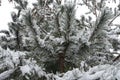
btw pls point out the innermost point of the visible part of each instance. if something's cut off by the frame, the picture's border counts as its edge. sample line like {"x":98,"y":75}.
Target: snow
{"x":101,"y":72}
{"x":5,"y":16}
{"x":112,"y":4}
{"x":116,"y":21}
{"x":92,"y":77}
{"x":111,"y":50}
{"x":12,"y":59}
{"x":82,"y":10}
{"x":30,"y":3}
{"x":39,"y":71}
{"x":32,"y":68}
{"x":6,"y":74}
{"x":70,"y":75}
{"x":2,"y":34}
{"x":25,"y":69}
{"x":104,"y":72}
{"x":118,"y":75}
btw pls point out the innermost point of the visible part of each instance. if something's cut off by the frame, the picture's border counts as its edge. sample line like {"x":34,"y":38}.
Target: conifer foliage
{"x":49,"y":38}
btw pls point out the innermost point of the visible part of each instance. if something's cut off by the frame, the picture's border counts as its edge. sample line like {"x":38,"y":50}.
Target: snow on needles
{"x":100,"y":72}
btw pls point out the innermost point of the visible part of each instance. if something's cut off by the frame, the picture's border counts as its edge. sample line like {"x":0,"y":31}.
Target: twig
{"x":113,"y":19}
{"x":116,"y":58}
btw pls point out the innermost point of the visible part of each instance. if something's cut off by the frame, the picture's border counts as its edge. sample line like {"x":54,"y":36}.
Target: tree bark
{"x":61,"y":62}
{"x":61,"y":57}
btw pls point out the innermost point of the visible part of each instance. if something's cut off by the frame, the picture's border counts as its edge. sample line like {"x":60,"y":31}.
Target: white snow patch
{"x":6,"y":74}
{"x":25,"y":69}
{"x":111,"y":50}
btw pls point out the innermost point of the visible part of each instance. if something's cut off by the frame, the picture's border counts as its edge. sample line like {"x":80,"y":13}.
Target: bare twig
{"x":116,"y":58}
{"x":95,"y":9}
{"x":113,"y":19}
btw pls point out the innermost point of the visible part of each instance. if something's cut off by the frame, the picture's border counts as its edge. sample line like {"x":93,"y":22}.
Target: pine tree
{"x":56,"y":39}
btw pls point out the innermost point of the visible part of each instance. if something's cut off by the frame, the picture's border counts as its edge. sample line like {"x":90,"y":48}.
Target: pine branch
{"x":6,"y":32}
{"x":57,"y":23}
{"x":6,"y":74}
{"x":102,"y":20}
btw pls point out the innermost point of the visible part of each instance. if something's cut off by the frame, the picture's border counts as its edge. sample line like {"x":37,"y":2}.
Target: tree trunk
{"x":61,"y":62}
{"x":61,"y":56}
